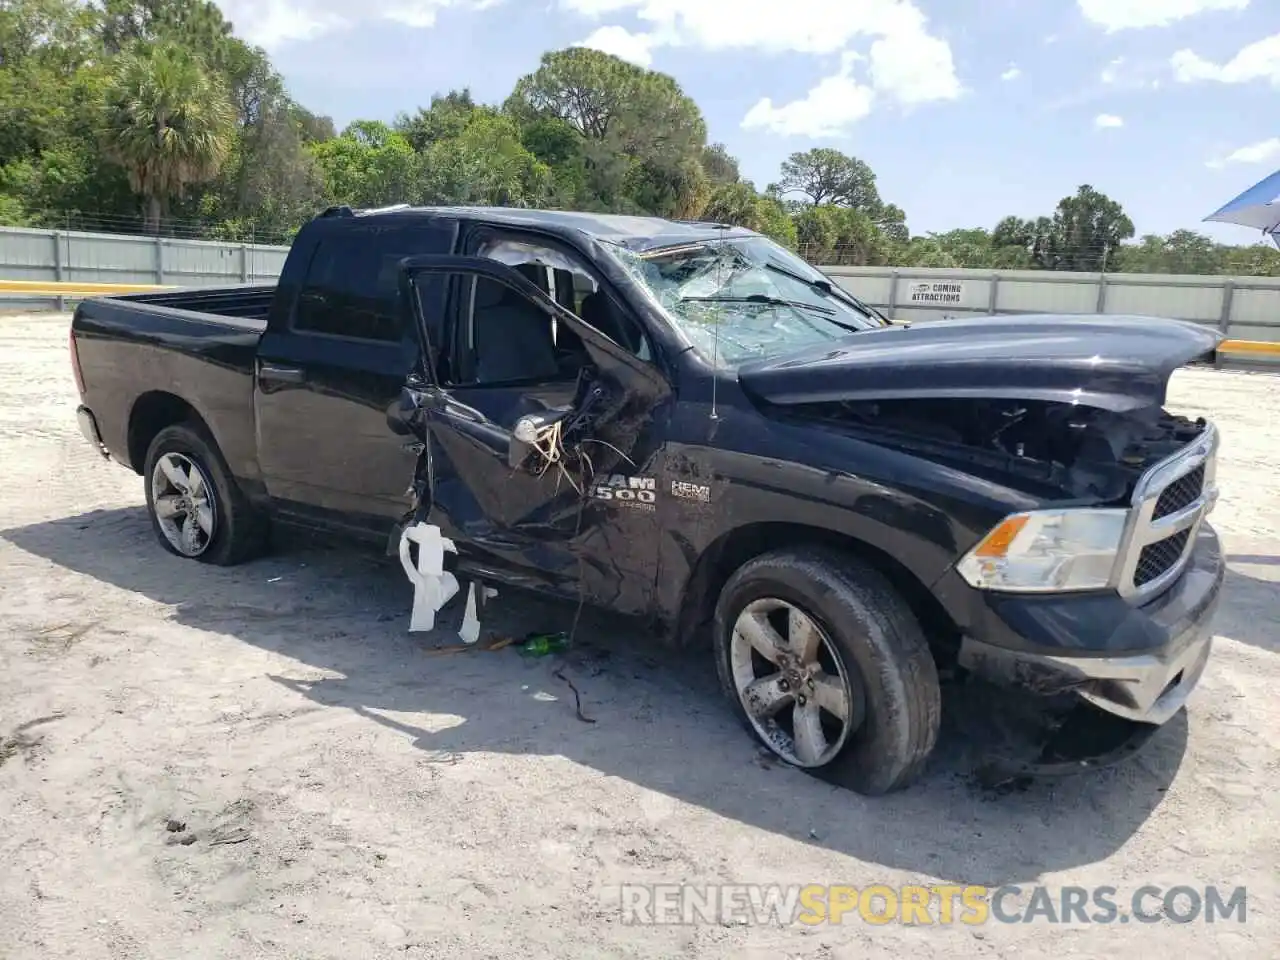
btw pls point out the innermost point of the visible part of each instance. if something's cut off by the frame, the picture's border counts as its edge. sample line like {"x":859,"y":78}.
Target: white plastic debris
{"x":433,"y":586}
{"x":470,"y":629}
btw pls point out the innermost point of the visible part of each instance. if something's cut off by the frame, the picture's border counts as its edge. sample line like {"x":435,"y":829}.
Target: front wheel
{"x":827,"y":666}
{"x":197,"y":509}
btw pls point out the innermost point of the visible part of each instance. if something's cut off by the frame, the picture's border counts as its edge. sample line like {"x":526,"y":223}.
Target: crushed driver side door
{"x":548,"y":482}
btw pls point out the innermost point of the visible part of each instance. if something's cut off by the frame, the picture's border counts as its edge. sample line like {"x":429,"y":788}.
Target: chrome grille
{"x":1170,"y":502}
{"x":1157,"y":558}
{"x":1180,"y":494}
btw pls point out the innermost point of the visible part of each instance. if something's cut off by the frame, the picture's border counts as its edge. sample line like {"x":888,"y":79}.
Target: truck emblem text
{"x":638,"y":493}
{"x":691,"y":491}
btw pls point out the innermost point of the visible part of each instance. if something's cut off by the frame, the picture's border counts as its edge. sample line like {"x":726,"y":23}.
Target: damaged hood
{"x":1112,"y":362}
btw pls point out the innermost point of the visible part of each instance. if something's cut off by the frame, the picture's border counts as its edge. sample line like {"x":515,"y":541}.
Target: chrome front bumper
{"x":1150,"y":686}
{"x":1147,"y":688}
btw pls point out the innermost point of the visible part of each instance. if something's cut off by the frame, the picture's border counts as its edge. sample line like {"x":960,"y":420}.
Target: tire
{"x":237,"y":531}
{"x":874,"y":657}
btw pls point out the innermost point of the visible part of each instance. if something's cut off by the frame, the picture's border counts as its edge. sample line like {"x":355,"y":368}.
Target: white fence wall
{"x":1243,"y":308}
{"x":68,"y":256}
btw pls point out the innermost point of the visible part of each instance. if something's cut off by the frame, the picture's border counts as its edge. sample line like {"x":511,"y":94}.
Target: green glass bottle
{"x":542,"y":644}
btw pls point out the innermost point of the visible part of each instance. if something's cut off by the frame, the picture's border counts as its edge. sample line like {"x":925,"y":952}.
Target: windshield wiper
{"x":766,"y":300}
{"x":820,"y":285}
{"x":826,"y":313}
{"x":824,"y":286}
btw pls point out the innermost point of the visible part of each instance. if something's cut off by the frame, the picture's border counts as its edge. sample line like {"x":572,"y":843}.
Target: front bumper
{"x":1149,"y":685}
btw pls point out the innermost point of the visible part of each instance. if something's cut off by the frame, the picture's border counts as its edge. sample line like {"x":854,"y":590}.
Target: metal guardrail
{"x":72,"y":291}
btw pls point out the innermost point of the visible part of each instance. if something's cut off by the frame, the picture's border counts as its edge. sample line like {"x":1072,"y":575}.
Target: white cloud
{"x":802,"y":26}
{"x":1263,"y":152}
{"x":828,"y":110}
{"x":1257,"y":61}
{"x":906,"y":63}
{"x":1144,"y":74}
{"x":273,"y":23}
{"x":1105,"y":121}
{"x":1013,"y":73}
{"x":621,"y":42}
{"x":912,"y":67}
{"x":597,"y":8}
{"x":1116,"y":15}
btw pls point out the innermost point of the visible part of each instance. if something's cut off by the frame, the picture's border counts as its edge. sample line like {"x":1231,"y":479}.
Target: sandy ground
{"x":348,"y":795}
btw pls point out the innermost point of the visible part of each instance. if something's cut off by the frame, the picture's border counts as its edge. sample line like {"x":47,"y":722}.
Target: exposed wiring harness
{"x":549,"y":443}
{"x":556,"y":446}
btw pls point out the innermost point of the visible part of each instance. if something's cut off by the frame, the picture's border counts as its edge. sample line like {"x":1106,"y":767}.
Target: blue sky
{"x":967,"y":111}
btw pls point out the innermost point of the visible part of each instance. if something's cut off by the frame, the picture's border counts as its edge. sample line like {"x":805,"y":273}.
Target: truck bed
{"x":244,"y":302}
{"x":142,"y":354}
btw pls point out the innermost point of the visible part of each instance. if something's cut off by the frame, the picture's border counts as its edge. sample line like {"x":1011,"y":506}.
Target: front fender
{"x":807,"y":484}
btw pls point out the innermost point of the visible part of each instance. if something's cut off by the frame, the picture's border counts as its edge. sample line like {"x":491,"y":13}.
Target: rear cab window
{"x":351,"y":288}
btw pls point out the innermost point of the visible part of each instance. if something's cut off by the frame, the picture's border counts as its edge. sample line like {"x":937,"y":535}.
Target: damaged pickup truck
{"x":684,"y":422}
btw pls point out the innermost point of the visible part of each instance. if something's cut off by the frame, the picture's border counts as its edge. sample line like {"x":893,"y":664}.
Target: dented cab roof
{"x":633,"y":232}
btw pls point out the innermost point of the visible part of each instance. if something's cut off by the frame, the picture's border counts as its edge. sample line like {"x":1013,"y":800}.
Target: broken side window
{"x":568,"y":281}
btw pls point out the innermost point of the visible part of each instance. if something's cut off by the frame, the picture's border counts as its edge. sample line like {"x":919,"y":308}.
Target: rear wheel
{"x":197,"y":510}
{"x":827,"y":666}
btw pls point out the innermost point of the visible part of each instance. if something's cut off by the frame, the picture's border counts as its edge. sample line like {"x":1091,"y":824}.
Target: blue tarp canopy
{"x":1257,"y":207}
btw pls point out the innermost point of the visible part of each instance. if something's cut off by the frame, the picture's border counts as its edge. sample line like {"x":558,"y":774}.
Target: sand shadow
{"x":657,"y":714}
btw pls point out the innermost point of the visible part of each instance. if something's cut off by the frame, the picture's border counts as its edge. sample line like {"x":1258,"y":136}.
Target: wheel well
{"x":719,"y":561}
{"x":151,"y":413}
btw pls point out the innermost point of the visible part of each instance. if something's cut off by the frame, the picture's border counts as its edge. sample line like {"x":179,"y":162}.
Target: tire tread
{"x":903,"y":659}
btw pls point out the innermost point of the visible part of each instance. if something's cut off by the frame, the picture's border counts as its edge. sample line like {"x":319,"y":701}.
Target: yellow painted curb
{"x":49,"y":288}
{"x":1249,"y":346}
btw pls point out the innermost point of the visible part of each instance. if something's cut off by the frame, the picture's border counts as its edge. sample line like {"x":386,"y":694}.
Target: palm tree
{"x":169,"y":123}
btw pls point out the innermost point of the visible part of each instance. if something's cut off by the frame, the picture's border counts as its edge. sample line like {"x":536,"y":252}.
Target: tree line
{"x":140,"y":115}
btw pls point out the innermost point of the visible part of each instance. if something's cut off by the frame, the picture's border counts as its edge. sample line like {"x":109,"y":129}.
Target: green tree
{"x":558,"y":145}
{"x":925,"y":251}
{"x":644,"y":137}
{"x":57,"y":34}
{"x":1183,"y":251}
{"x":269,"y":183}
{"x":1036,"y":239}
{"x":774,"y":221}
{"x":446,"y":117}
{"x":840,"y":236}
{"x":43,"y":44}
{"x":484,"y":163}
{"x":740,"y":205}
{"x":720,"y":166}
{"x":824,"y":175}
{"x":892,"y":222}
{"x":368,"y":165}
{"x":168,"y":124}
{"x":1255,"y":260}
{"x":197,"y":25}
{"x":1087,"y":229}
{"x":735,"y":203}
{"x":312,"y":128}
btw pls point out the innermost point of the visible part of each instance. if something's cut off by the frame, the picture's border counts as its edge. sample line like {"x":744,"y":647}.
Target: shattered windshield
{"x":745,"y":298}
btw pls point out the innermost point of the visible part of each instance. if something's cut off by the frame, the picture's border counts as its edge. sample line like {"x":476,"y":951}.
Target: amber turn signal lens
{"x":996,"y":543}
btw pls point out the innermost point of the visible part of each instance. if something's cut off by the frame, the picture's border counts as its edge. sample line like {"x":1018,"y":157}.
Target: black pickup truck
{"x":687,"y":423}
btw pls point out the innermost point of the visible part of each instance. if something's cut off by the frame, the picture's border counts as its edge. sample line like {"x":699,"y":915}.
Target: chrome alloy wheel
{"x":792,"y":684}
{"x":182,"y":498}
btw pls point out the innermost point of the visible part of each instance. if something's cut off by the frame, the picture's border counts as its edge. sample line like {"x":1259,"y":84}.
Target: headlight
{"x":1047,"y":550}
